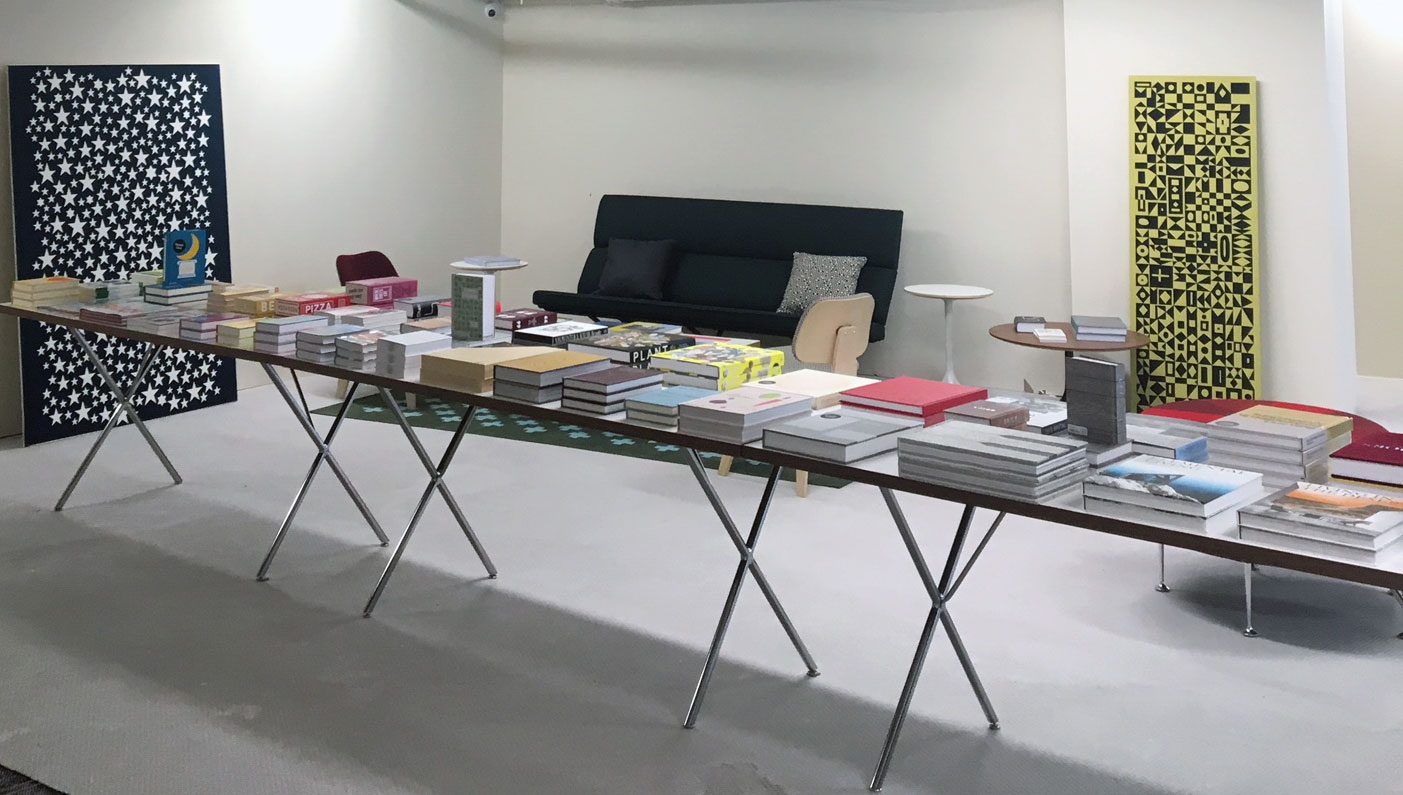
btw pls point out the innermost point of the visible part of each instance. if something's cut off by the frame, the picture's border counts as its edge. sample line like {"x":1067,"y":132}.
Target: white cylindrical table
{"x":494,"y":268}
{"x":949,"y":293}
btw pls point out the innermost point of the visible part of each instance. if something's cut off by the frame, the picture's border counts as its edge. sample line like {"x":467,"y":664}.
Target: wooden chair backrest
{"x":835,"y":332}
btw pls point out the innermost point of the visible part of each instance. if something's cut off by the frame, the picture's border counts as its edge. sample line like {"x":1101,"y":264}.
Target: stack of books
{"x":386,"y":320}
{"x":740,"y":415}
{"x":398,"y":355}
{"x":309,"y":303}
{"x":471,"y":369}
{"x":492,"y":261}
{"x":1167,"y":438}
{"x":1027,"y":324}
{"x":1046,"y":415}
{"x":205,"y":327}
{"x":177,"y":296}
{"x":1171,"y":493}
{"x":841,"y":434}
{"x":162,"y":321}
{"x":319,"y":344}
{"x":718,"y":366}
{"x":1022,"y":465}
{"x":1353,"y":525}
{"x":222,"y":295}
{"x":660,"y":408}
{"x":1339,"y":428}
{"x":1285,"y":453}
{"x":666,"y":328}
{"x":383,"y":292}
{"x":342,"y":314}
{"x":912,"y":397}
{"x":631,"y":347}
{"x":1095,"y":328}
{"x":540,"y":379}
{"x":1096,"y":407}
{"x":115,"y":313}
{"x":146,"y":279}
{"x":358,"y":351}
{"x":418,"y":306}
{"x":254,"y":304}
{"x":236,"y":333}
{"x":556,"y":334}
{"x":438,"y":325}
{"x":604,"y":391}
{"x":279,"y":334}
{"x":112,"y":290}
{"x":518,"y":319}
{"x":990,"y":412}
{"x":34,"y":293}
{"x":1378,"y":459}
{"x":826,"y":389}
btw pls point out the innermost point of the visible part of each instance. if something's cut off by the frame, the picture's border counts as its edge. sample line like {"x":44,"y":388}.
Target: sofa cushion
{"x":815,"y":277}
{"x":635,"y":268}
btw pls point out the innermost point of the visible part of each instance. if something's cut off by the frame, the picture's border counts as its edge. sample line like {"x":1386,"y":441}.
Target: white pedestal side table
{"x":949,"y":293}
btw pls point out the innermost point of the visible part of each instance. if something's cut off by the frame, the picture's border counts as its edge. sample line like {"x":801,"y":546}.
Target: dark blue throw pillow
{"x":636,"y":268}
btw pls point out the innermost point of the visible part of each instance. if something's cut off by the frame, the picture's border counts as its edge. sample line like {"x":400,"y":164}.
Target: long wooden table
{"x":880,"y":472}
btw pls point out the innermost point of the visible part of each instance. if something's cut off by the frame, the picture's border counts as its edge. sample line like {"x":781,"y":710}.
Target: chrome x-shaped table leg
{"x":324,"y":454}
{"x":436,"y":473}
{"x":746,"y":547}
{"x":941,"y":593}
{"x":124,"y":407}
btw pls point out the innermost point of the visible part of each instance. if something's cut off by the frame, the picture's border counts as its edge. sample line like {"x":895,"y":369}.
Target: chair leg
{"x":801,"y":483}
{"x":341,"y":386}
{"x":412,"y":401}
{"x":724,"y":468}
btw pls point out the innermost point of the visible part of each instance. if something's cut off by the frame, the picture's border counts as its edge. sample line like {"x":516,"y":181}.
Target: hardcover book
{"x":384,"y":290}
{"x":1028,"y":323}
{"x":1343,"y":516}
{"x":471,"y":369}
{"x":1269,"y":433}
{"x":915,"y":396}
{"x":183,"y":259}
{"x":549,"y":369}
{"x":989,"y":412}
{"x":721,"y":361}
{"x":666,"y":400}
{"x":987,"y":448}
{"x":649,"y":328}
{"x":419,"y":306}
{"x":560,"y":333}
{"x":1046,"y":415}
{"x":746,"y":405}
{"x":310,"y":303}
{"x":1378,"y":459}
{"x":1098,"y":324}
{"x":1180,"y":486}
{"x":1336,"y":425}
{"x":612,"y":380}
{"x":842,"y":434}
{"x":822,"y":387}
{"x":630,"y":347}
{"x":527,"y":317}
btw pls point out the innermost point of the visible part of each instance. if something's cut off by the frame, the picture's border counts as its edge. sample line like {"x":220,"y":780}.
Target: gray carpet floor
{"x":139,"y":656}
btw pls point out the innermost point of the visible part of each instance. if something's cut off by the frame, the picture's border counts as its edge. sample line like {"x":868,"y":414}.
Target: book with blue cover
{"x":184,"y":258}
{"x":1171,"y":485}
{"x":661,"y":407}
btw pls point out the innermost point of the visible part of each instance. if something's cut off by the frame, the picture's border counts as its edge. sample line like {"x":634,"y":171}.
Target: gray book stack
{"x":1284,"y":453}
{"x":319,"y":344}
{"x":1096,"y":407}
{"x":358,"y":351}
{"x":398,"y":355}
{"x":1167,"y":437}
{"x":842,"y":434}
{"x":1023,"y":465}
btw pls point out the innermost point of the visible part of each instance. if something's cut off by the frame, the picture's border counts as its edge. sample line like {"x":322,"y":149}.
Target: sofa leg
{"x":724,"y":468}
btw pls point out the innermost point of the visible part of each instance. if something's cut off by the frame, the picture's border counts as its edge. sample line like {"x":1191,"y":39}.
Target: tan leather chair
{"x":834,"y":333}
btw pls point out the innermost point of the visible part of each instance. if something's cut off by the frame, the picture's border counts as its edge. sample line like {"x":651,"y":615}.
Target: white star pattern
{"x":120,"y":158}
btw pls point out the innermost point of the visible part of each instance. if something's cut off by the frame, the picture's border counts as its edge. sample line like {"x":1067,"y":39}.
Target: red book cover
{"x":1385,"y":448}
{"x":912,"y":396}
{"x":384,"y":290}
{"x":310,"y":303}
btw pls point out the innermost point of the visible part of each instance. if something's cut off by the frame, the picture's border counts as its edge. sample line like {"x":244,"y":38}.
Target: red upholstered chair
{"x":365,"y":265}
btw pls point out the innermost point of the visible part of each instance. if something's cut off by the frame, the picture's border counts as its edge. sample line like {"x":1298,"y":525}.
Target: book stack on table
{"x":33,"y":293}
{"x":471,"y":369}
{"x":1285,"y":453}
{"x":222,"y":295}
{"x":438,"y":325}
{"x":1167,"y":438}
{"x":556,"y":334}
{"x":528,"y":317}
{"x":1022,"y":465}
{"x":112,"y":290}
{"x":660,"y":408}
{"x":604,"y":391}
{"x":383,"y":292}
{"x":1350,"y":524}
{"x":825,"y":389}
{"x":662,"y":328}
{"x":840,"y":434}
{"x":177,"y":296}
{"x":254,"y":304}
{"x":145,"y":279}
{"x":1171,"y":493}
{"x":319,"y":344}
{"x":540,"y":379}
{"x":717,"y":366}
{"x":279,"y":334}
{"x":1046,"y":415}
{"x":740,"y":415}
{"x":114,"y":313}
{"x":342,"y":314}
{"x":1096,"y":407}
{"x":912,"y":397}
{"x":398,"y":355}
{"x":419,"y":306}
{"x":994,"y":413}
{"x":310,"y":303}
{"x":162,"y":321}
{"x":236,"y":333}
{"x":1094,"y":328}
{"x":631,"y":347}
{"x":358,"y":351}
{"x":386,"y":320}
{"x":205,"y":327}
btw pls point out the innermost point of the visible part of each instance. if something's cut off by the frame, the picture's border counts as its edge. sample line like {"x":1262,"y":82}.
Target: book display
{"x":605,"y":391}
{"x":660,"y":408}
{"x":359,"y":351}
{"x":279,"y":334}
{"x":381,"y":292}
{"x":740,"y":415}
{"x":824,"y":388}
{"x":398,"y":355}
{"x":717,"y":366}
{"x":222,"y":296}
{"x":319,"y":344}
{"x":1284,"y":452}
{"x":309,"y":303}
{"x":1094,"y":328}
{"x":1343,"y":523}
{"x":1001,"y":461}
{"x":33,"y":293}
{"x":1179,"y":494}
{"x":555,"y":334}
{"x":840,"y":434}
{"x":631,"y":347}
{"x":913,"y":397}
{"x":471,"y":369}
{"x":540,"y":378}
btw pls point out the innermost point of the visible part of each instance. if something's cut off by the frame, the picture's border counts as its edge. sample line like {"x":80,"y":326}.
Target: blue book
{"x":184,"y":259}
{"x":1175,"y":486}
{"x":660,"y":407}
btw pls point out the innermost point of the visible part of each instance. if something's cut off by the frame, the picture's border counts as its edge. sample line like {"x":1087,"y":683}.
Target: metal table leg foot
{"x":1249,"y":632}
{"x":1162,"y":587}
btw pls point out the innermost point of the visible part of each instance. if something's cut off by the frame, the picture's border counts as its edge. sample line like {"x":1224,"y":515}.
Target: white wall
{"x":349,"y":125}
{"x":951,"y":110}
{"x":1307,"y":302}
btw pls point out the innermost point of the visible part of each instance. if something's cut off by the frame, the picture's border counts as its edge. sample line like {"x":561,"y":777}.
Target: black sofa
{"x":732,"y":260}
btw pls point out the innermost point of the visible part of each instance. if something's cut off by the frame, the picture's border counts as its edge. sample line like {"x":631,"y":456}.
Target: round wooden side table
{"x":949,"y":293}
{"x":1008,"y":333}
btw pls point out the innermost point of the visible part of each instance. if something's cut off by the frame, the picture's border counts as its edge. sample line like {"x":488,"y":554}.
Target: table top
{"x":489,"y":268}
{"x":1005,"y":332}
{"x":881,"y":471}
{"x":960,"y":291}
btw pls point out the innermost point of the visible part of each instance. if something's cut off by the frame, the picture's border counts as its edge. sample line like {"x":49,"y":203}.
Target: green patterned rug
{"x":444,"y":416}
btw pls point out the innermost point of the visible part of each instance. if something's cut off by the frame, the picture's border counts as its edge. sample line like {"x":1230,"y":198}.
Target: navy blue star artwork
{"x":106,"y":160}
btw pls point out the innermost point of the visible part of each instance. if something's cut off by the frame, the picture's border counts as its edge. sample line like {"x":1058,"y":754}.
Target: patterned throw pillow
{"x":815,"y":277}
